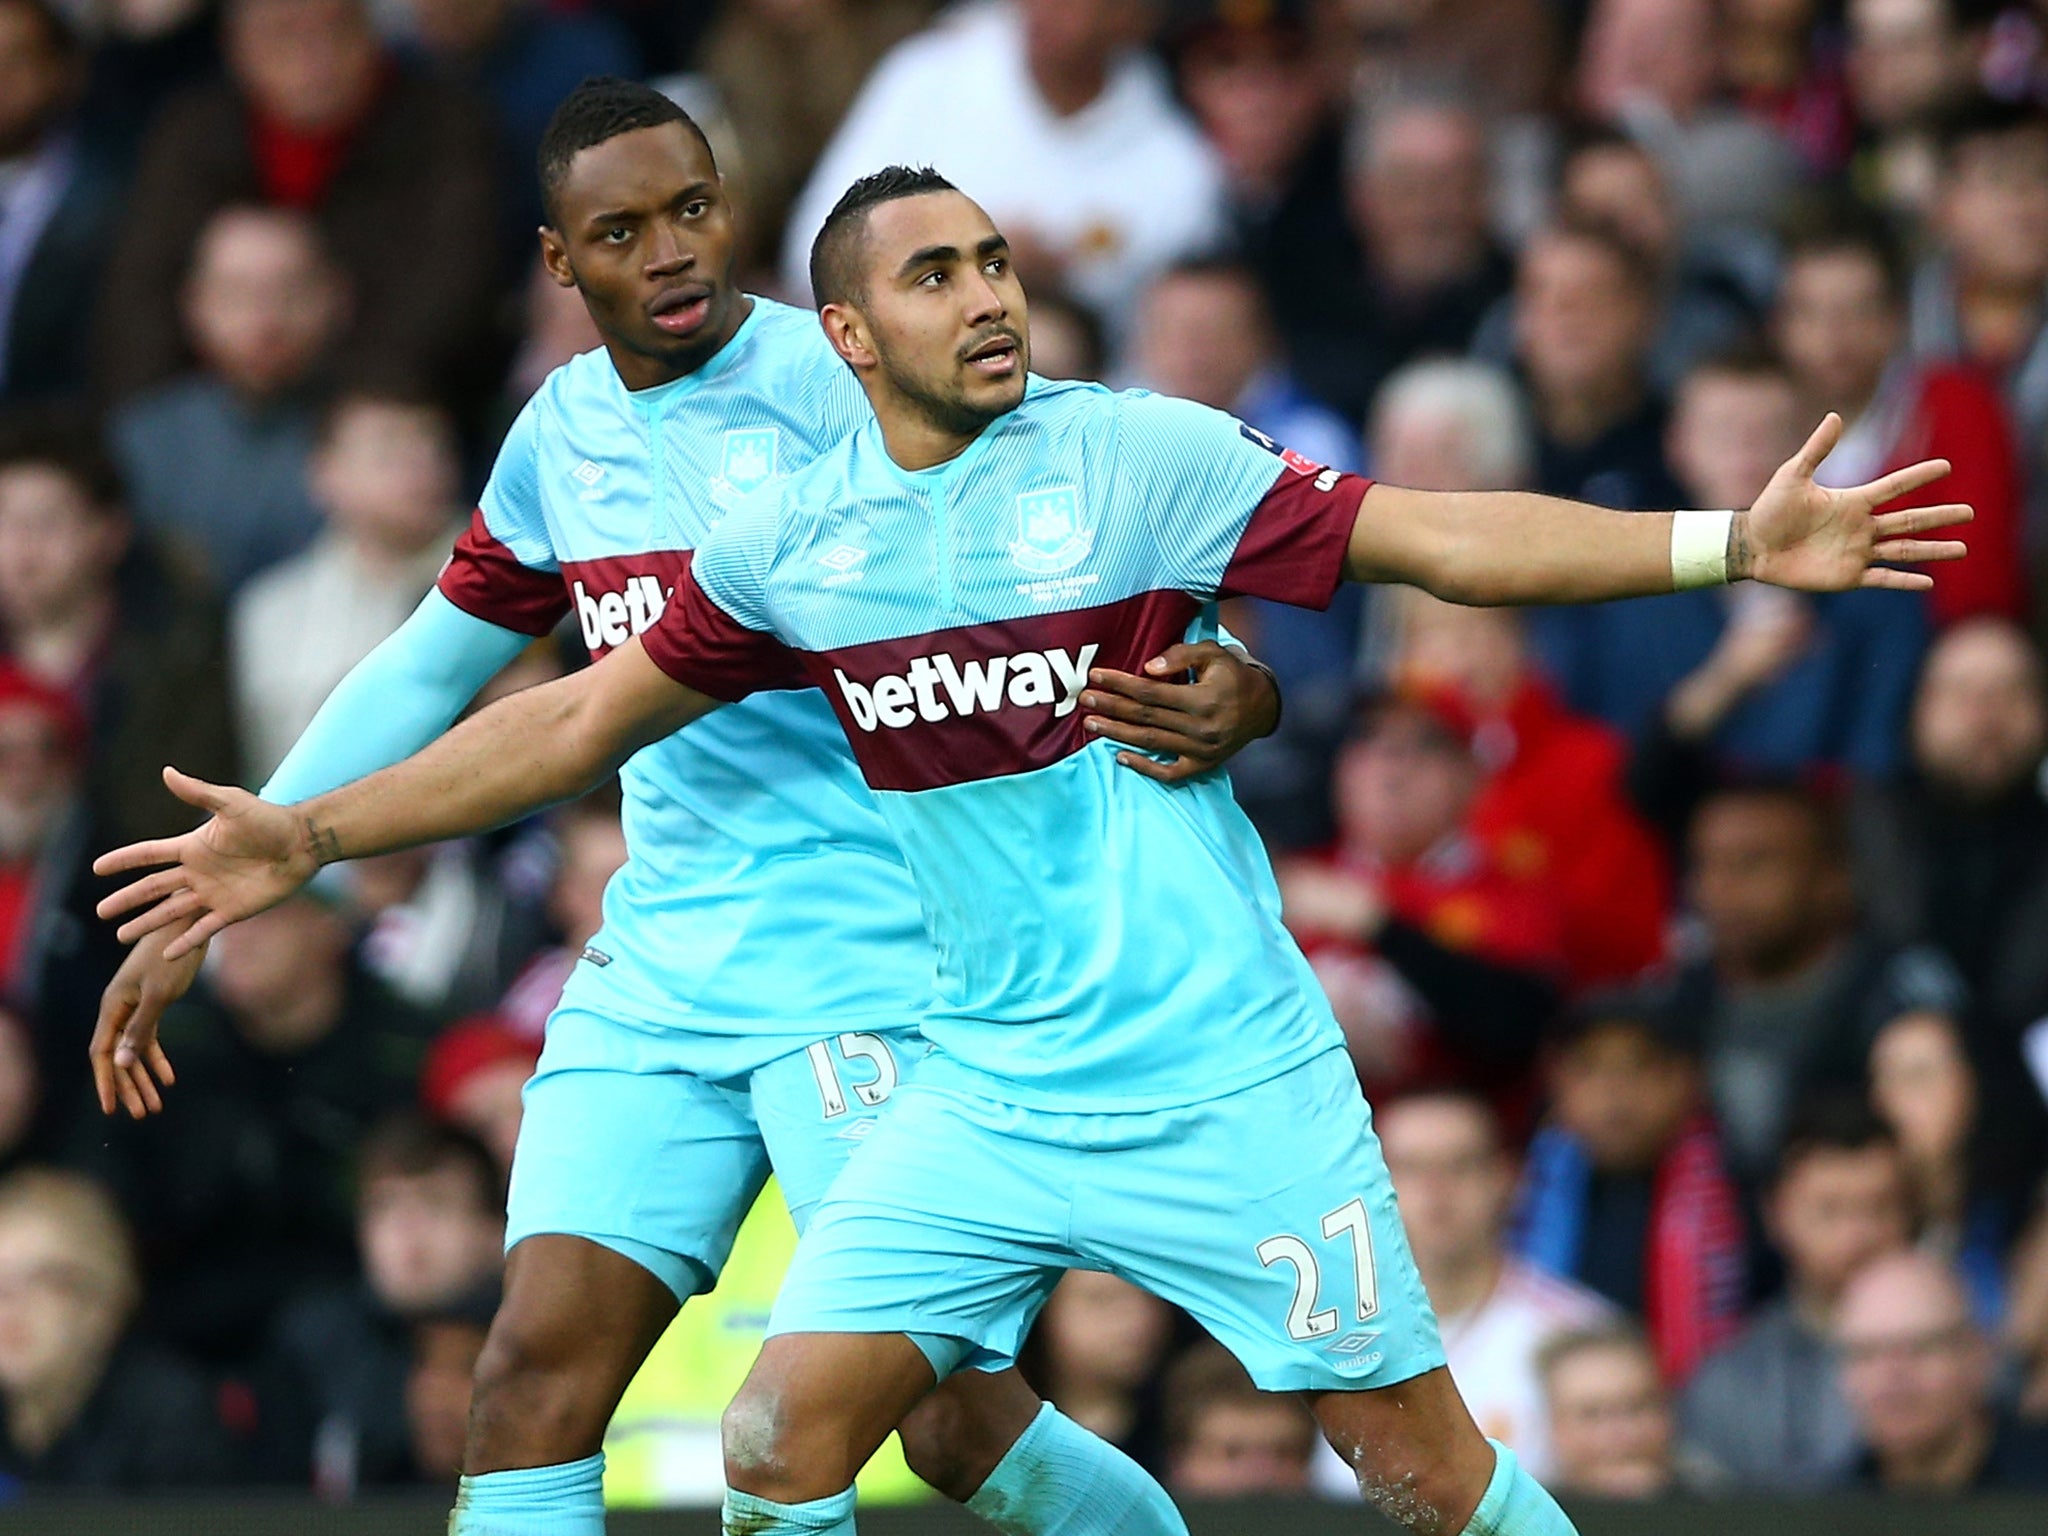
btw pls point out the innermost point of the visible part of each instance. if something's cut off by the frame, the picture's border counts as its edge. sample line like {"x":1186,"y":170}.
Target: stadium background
{"x":1693,"y":949}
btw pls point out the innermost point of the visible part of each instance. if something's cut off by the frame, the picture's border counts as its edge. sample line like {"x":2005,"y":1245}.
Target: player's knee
{"x":940,"y":1444}
{"x":754,"y":1435}
{"x":531,"y":1371}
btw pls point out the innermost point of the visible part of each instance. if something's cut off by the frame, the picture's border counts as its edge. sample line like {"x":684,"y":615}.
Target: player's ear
{"x":847,"y":330}
{"x":554,"y":255}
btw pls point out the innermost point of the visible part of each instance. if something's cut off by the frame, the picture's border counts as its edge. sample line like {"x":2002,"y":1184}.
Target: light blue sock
{"x":1515,"y":1504}
{"x":746,"y":1515}
{"x":1060,"y":1480}
{"x":564,"y":1500}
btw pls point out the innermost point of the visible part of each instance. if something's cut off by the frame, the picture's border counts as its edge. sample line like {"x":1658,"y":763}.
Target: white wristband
{"x":1699,"y":549}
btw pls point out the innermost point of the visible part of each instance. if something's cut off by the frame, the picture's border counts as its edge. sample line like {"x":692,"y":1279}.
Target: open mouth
{"x":681,"y":310}
{"x":996,"y":358}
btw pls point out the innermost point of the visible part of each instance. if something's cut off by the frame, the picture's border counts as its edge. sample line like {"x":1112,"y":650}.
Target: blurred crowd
{"x":1694,"y":950}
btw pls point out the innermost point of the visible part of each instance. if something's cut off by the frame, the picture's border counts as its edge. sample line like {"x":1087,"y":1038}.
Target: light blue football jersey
{"x":1103,"y":940}
{"x":763,"y":900}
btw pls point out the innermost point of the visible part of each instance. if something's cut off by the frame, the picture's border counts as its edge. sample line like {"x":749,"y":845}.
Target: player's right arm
{"x":500,"y":590}
{"x":536,"y":748}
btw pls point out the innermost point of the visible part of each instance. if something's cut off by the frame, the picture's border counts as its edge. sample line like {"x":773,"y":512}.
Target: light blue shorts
{"x":622,"y":1142}
{"x":1268,"y":1215}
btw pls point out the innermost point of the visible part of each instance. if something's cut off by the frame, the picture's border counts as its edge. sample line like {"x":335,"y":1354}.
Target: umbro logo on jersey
{"x":939,"y":687}
{"x":844,"y":564}
{"x":612,"y":618}
{"x":587,"y":473}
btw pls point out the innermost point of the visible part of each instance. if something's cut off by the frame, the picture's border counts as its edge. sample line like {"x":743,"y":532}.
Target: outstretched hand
{"x":1817,"y":539}
{"x":248,"y":857}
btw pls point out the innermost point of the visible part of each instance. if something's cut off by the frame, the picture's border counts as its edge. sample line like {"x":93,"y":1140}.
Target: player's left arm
{"x":1196,"y":706}
{"x":1498,"y":547}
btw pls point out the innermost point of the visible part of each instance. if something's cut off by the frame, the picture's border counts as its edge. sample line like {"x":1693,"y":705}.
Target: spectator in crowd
{"x":1953,"y":850}
{"x":438,"y":1389}
{"x":1910,"y":64}
{"x":133,"y":638}
{"x":1923,"y":1084}
{"x":283,"y":1061}
{"x":1554,"y":802}
{"x":590,"y":848}
{"x":1792,"y":984}
{"x":1456,"y":1182}
{"x":1708,"y":281}
{"x":1421,"y":269}
{"x":144,"y":52}
{"x":89,"y":1405}
{"x":1626,"y":1190}
{"x":21,"y":1092}
{"x":1610,"y":1416}
{"x":1066,"y":338}
{"x":1781,"y":70}
{"x":1585,"y":315}
{"x":385,"y":474}
{"x":316,"y":116}
{"x":1227,"y":1439}
{"x":1439,"y":963}
{"x":1654,"y":68}
{"x":1978,"y":297}
{"x":61,"y":199}
{"x":785,"y":75}
{"x":472,"y":1080}
{"x":523,"y":58}
{"x":1748,"y":679}
{"x":1768,"y":1406}
{"x":1057,"y":124}
{"x":1918,"y":1373}
{"x":218,"y":457}
{"x":1102,"y":1342}
{"x":1205,"y":333}
{"x":1840,"y":322}
{"x":55,"y":953}
{"x":430,"y":1227}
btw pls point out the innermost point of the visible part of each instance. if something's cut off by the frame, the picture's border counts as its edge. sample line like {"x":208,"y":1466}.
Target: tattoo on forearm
{"x":324,"y":842}
{"x":1738,"y":547}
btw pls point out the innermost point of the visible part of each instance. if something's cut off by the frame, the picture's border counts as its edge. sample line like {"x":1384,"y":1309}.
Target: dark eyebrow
{"x":929,"y":256}
{"x":627,"y":215}
{"x":994,"y":245}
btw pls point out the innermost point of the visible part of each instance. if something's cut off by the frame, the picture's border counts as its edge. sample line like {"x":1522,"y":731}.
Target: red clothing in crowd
{"x":1955,"y":414}
{"x":1467,"y":950}
{"x":1554,"y":809}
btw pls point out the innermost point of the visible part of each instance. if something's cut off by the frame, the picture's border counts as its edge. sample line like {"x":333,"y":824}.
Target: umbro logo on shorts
{"x":938,"y":687}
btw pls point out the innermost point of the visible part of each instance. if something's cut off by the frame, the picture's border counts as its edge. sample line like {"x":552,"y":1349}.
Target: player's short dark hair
{"x":836,"y":275}
{"x":1840,"y":1122}
{"x":598,"y":110}
{"x":66,"y":442}
{"x":409,"y":1145}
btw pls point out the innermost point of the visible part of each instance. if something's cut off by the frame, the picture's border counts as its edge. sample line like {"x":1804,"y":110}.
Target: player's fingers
{"x":138,"y":893}
{"x":1109,"y":706}
{"x":1185,"y":656}
{"x":131,"y":1096}
{"x":1904,"y":482}
{"x":152,"y":1101}
{"x":1920,"y":551}
{"x":1918,"y":520}
{"x":118,"y":861}
{"x":1165,"y":773}
{"x":1159,"y":693}
{"x":103,"y":1081}
{"x":1165,"y":743}
{"x":208,"y":797}
{"x":160,"y":1064}
{"x":1819,"y":445}
{"x":1897,"y":581}
{"x":192,"y":938}
{"x":162,"y":915}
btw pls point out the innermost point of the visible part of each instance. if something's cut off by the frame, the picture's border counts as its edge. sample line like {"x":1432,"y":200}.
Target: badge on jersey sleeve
{"x":1052,"y":534}
{"x":746,"y":462}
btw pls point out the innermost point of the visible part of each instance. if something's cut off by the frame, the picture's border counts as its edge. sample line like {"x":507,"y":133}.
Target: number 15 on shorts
{"x":1305,"y":1318}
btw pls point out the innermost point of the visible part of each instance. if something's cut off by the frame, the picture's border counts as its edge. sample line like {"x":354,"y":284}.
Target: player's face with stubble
{"x":646,"y":233}
{"x":944,"y":311}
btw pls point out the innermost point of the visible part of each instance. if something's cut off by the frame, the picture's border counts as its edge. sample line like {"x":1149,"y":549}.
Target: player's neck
{"x":638,"y":371}
{"x":914,"y":441}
